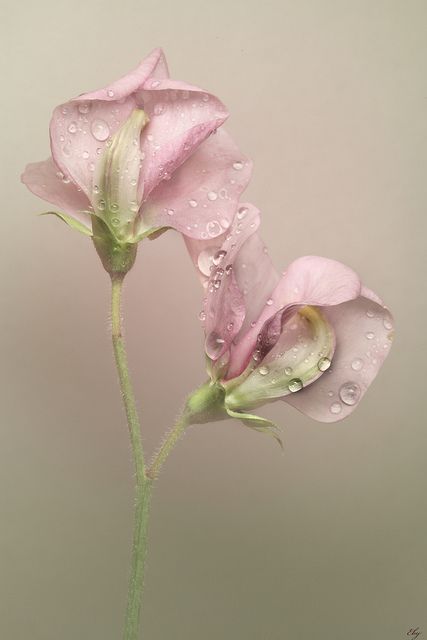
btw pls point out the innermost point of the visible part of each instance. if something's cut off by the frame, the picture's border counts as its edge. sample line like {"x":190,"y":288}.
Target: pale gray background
{"x":326,"y":541}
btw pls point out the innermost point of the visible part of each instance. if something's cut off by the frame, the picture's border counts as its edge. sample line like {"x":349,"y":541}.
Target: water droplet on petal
{"x":115,"y":221}
{"x":219,"y":257}
{"x":170,"y":212}
{"x":269,"y":302}
{"x":238,"y":166}
{"x":370,"y":313}
{"x":370,"y":335}
{"x":84,"y":107}
{"x":350,"y":393}
{"x":357,"y":364}
{"x":228,"y":269}
{"x":155,"y":84}
{"x":324,"y":364}
{"x":256,"y":355}
{"x":72,"y":127}
{"x":212,"y":195}
{"x":263,"y":370}
{"x":230,"y":326}
{"x":100,"y":129}
{"x":202,"y":316}
{"x":214,"y":345}
{"x":295,"y":385}
{"x":225,"y":223}
{"x":85,"y":154}
{"x":388,"y":324}
{"x":192,"y":203}
{"x":101,"y":205}
{"x":241,"y":213}
{"x":110,"y":93}
{"x":205,"y":260}
{"x":214,"y":228}
{"x":95,"y":188}
{"x":336,"y":407}
{"x":114,"y":207}
{"x":288,"y":371}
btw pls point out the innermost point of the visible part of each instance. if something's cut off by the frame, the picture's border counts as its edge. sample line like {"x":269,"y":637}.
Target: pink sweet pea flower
{"x":139,"y":156}
{"x":313,"y":337}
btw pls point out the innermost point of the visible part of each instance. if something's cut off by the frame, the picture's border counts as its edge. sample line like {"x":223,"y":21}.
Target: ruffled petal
{"x":310,"y":280}
{"x":181,"y":118}
{"x":48,"y":182}
{"x":81,"y":128}
{"x":201,"y":197}
{"x":363,"y":331}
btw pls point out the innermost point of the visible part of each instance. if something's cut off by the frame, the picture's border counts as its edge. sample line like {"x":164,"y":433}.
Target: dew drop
{"x":110,"y":93}
{"x":370,"y":313}
{"x":84,"y":107}
{"x":192,"y":203}
{"x":238,"y":166}
{"x":269,"y":302}
{"x":202,"y":316}
{"x":85,"y":154}
{"x":230,"y":326}
{"x":205,"y":261}
{"x":170,"y":212}
{"x":324,"y":364}
{"x":155,"y":84}
{"x":72,"y":127}
{"x":350,"y":393}
{"x":219,"y":257}
{"x":114,"y":207}
{"x":370,"y":335}
{"x":357,"y":364}
{"x":213,"y":228}
{"x":95,"y":188}
{"x":115,"y":222}
{"x":100,"y":130}
{"x":241,"y":213}
{"x":263,"y":370}
{"x":288,"y":371}
{"x":101,"y":205}
{"x":225,"y":223}
{"x":388,"y":324}
{"x":294,"y":385}
{"x":213,"y":345}
{"x":228,"y":269}
{"x":212,"y":195}
{"x":336,"y":407}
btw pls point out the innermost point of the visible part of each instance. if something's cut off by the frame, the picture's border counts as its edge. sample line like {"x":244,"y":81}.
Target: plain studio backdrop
{"x":324,"y":541}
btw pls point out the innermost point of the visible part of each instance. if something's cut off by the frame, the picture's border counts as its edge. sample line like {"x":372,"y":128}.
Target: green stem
{"x":143,"y":483}
{"x":170,"y":441}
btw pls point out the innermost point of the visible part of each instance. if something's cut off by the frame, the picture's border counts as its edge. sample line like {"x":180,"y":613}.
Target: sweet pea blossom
{"x":138,"y":156}
{"x":314,"y":336}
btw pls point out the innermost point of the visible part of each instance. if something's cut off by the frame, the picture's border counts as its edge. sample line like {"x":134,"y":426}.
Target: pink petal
{"x":80,"y":128}
{"x":153,"y":67}
{"x":224,"y":307}
{"x":201,"y":197}
{"x":181,"y":117}
{"x":46,"y":181}
{"x":363,"y":331}
{"x":310,"y":280}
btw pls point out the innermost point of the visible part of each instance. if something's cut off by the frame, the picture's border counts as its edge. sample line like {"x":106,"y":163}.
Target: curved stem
{"x":169,"y":442}
{"x":143,"y":484}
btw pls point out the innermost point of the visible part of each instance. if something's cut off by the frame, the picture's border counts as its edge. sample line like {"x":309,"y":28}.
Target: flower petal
{"x":181,"y":118}
{"x":302,"y":351}
{"x":81,"y":128}
{"x":201,"y":197}
{"x":363,"y":331}
{"x":310,"y":280}
{"x":46,"y":181}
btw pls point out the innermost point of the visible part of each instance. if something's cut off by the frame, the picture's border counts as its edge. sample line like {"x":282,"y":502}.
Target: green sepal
{"x":72,"y":222}
{"x":117,"y":257}
{"x":257,"y":423}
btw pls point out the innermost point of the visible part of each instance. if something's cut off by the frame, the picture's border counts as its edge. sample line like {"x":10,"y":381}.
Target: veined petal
{"x":363,"y":330}
{"x":81,"y":128}
{"x":181,"y":118}
{"x":310,"y":280}
{"x":201,"y":197}
{"x":46,"y":181}
{"x":302,"y":352}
